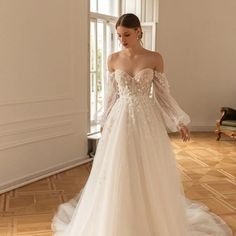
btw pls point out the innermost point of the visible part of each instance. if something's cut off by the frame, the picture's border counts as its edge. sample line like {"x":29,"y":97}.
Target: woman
{"x":134,"y":187}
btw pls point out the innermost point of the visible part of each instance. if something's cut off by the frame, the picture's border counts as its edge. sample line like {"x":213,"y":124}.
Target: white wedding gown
{"x":134,"y":188}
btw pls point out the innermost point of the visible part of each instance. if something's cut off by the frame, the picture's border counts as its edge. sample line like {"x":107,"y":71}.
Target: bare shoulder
{"x":158,"y":61}
{"x":157,"y":55}
{"x":111,"y":59}
{"x":155,"y":59}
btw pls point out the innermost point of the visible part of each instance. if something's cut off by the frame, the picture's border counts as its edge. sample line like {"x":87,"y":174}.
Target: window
{"x":107,"y":7}
{"x":102,"y":44}
{"x":103,"y":41}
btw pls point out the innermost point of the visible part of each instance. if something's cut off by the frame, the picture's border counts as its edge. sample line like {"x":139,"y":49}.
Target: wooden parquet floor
{"x":208,"y":169}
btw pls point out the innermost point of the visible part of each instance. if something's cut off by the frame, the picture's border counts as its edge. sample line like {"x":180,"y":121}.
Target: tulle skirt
{"x":134,"y":188}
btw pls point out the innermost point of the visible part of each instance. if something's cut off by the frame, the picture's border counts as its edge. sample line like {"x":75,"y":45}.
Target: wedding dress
{"x":134,"y":188}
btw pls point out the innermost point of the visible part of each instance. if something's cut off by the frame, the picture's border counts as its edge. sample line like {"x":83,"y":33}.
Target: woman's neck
{"x":133,"y":51}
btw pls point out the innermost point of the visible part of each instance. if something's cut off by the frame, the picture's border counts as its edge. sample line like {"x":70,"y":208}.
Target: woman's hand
{"x":185,"y":134}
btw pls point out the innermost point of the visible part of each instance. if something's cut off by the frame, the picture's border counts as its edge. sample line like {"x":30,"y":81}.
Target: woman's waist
{"x":135,"y":99}
{"x":134,"y":96}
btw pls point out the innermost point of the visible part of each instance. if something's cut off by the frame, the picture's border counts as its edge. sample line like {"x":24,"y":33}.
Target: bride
{"x":134,"y":188}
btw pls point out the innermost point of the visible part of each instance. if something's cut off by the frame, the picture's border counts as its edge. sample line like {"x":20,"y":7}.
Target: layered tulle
{"x":134,"y":188}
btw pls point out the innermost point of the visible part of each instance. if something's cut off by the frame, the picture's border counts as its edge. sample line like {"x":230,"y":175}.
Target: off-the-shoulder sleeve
{"x":171,"y":112}
{"x":111,"y":95}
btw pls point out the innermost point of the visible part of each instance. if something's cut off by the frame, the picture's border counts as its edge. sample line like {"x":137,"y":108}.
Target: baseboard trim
{"x":43,"y":174}
{"x":202,"y":128}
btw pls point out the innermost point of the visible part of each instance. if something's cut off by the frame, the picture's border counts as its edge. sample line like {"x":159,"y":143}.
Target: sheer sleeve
{"x":111,"y":95}
{"x":171,"y":112}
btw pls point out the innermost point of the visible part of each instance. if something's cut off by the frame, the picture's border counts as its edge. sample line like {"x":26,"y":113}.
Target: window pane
{"x":147,"y":37}
{"x":93,"y":5}
{"x":92,"y":46}
{"x":106,"y":7}
{"x":100,"y":65}
{"x":93,"y":68}
{"x":97,"y":55}
{"x":133,"y":6}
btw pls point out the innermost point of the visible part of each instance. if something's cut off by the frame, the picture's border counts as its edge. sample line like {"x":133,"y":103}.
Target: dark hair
{"x":129,"y":20}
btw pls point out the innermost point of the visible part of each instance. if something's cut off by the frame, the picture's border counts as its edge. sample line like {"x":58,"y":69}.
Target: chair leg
{"x":217,"y":131}
{"x":218,"y":136}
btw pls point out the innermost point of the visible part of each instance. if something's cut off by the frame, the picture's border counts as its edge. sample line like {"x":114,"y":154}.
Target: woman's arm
{"x":174,"y":117}
{"x":111,"y":92}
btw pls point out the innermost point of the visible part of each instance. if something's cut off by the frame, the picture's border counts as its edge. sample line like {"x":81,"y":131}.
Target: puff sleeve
{"x":171,"y":112}
{"x":111,"y":95}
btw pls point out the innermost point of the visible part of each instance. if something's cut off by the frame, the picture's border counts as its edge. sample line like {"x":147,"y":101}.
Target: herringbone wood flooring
{"x":208,"y":169}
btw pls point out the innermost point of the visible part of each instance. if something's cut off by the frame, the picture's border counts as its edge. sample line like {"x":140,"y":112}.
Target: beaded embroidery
{"x":139,"y":89}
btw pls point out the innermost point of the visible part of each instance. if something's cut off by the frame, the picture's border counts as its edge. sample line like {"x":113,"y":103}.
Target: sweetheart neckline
{"x":147,"y":68}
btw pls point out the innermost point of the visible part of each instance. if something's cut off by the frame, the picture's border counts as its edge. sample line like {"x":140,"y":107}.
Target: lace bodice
{"x":147,"y":82}
{"x":138,"y":85}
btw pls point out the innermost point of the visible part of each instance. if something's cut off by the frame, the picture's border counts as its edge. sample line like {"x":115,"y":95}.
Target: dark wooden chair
{"x":227,"y":123}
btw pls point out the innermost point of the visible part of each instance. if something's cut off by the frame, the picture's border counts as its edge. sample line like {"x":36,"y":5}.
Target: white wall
{"x":43,"y":88}
{"x":197,"y":40}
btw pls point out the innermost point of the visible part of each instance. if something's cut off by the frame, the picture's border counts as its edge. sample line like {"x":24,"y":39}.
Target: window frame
{"x":106,"y":20}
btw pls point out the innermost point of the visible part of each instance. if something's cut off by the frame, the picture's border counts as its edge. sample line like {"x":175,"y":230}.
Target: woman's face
{"x":127,"y":36}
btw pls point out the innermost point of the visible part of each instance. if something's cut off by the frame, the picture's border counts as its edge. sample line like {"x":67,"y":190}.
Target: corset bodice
{"x":137,"y":85}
